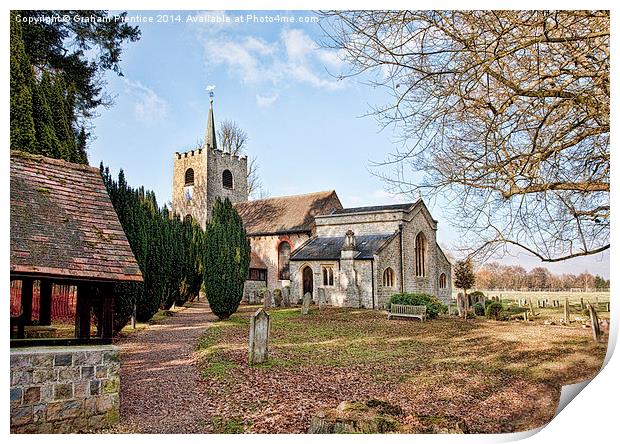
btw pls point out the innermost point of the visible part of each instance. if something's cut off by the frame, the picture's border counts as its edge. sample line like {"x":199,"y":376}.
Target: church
{"x":351,"y":257}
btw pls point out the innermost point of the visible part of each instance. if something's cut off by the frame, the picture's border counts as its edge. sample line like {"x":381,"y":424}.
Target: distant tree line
{"x":499,"y":276}
{"x":169,"y":252}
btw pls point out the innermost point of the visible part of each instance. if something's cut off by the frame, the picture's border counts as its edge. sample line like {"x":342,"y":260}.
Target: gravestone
{"x":321,"y":297}
{"x":566,"y":312}
{"x":305,"y":305}
{"x":286,"y":296}
{"x":461,"y":304}
{"x":277,"y":297}
{"x":259,"y":337}
{"x":267,"y":301}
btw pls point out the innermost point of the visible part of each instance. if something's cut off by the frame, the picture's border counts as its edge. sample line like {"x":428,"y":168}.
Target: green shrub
{"x":433,"y":305}
{"x":495,"y":311}
{"x":476,"y":294}
{"x":478,"y":309}
{"x":487,"y":302}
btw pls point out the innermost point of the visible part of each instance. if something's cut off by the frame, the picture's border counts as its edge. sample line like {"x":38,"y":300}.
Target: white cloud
{"x":265,"y":101}
{"x":148,"y":106}
{"x":292,"y":58}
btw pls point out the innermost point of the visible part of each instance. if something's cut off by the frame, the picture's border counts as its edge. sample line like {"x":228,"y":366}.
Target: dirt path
{"x":160,"y":388}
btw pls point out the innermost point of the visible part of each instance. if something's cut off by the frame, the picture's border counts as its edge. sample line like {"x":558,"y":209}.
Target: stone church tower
{"x":201,"y":175}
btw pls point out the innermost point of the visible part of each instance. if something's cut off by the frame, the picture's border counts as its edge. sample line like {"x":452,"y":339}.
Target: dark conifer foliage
{"x":227,"y":259}
{"x":168,"y":250}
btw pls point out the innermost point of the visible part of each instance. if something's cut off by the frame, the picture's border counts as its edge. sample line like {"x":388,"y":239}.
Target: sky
{"x":308,"y":130}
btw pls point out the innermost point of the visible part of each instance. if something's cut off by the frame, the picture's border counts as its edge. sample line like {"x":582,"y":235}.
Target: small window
{"x":284,"y":255}
{"x":328,"y":276}
{"x":388,"y":277}
{"x":442,"y":280}
{"x":257,"y":274}
{"x":227,"y":179}
{"x":189,"y":177}
{"x":188,"y":219}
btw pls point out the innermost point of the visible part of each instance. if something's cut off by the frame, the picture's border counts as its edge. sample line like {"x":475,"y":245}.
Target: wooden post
{"x":566,"y":311}
{"x":27,"y":300}
{"x":107,"y":321}
{"x":583,"y":306}
{"x":82,"y":312}
{"x":596,"y":329}
{"x":45,"y":302}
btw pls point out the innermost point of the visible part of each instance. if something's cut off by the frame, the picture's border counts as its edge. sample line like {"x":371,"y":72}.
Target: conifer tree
{"x":226,"y":259}
{"x":22,"y":124}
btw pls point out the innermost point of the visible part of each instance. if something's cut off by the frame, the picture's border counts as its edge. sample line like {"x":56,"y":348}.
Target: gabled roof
{"x":63,"y":224}
{"x":328,"y":248}
{"x":286,"y":214}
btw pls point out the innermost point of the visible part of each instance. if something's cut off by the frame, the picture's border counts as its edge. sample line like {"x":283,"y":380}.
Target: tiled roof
{"x":63,"y":223}
{"x":403,"y":207}
{"x":328,"y":248}
{"x":286,"y":214}
{"x":256,"y":261}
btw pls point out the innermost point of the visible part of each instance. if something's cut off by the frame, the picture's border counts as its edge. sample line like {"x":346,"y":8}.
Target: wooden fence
{"x":63,"y":301}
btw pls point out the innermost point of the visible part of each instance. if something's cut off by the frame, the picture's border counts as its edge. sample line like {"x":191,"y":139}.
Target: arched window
{"x":388,"y":277}
{"x":189,"y":177}
{"x":227,"y":179}
{"x":328,"y":276}
{"x":442,"y":280}
{"x":420,"y":254}
{"x":188,"y":218}
{"x":284,"y":254}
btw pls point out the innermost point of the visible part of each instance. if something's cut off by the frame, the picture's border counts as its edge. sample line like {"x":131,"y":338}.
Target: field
{"x":492,"y":376}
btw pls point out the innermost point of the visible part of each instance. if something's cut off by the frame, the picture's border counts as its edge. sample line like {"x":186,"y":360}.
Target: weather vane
{"x":210,"y":88}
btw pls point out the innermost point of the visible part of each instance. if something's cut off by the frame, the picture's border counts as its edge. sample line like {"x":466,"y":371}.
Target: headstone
{"x":461,"y":304}
{"x":267,"y":300}
{"x":286,"y":296}
{"x":566,"y":312}
{"x":321,"y":297}
{"x":259,"y":337}
{"x":305,"y":305}
{"x":596,"y":330}
{"x":277,"y":297}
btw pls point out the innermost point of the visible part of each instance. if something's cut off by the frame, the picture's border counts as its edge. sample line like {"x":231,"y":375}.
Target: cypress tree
{"x":48,"y":143}
{"x":227,"y":259}
{"x":22,"y":78}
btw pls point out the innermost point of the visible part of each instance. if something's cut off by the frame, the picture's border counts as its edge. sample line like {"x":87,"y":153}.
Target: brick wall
{"x":64,"y":389}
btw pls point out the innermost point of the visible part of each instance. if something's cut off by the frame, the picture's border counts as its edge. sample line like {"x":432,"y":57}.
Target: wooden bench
{"x":408,"y":311}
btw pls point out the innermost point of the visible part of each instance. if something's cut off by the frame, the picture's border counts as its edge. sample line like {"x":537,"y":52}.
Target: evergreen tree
{"x":22,"y":78}
{"x":226,"y":259}
{"x":47,"y":141}
{"x":464,"y":276}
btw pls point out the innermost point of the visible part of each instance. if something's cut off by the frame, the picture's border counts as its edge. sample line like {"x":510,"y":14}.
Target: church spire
{"x":210,"y":140}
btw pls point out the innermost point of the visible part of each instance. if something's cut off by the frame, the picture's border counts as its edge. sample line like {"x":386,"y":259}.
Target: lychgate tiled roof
{"x":328,"y":248}
{"x":287,"y":214}
{"x":63,"y":223}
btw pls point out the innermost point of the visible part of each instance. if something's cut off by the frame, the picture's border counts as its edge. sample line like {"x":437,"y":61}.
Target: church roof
{"x":328,"y":248}
{"x":286,"y":214}
{"x":63,"y":223}
{"x":256,"y":261}
{"x":377,"y":208}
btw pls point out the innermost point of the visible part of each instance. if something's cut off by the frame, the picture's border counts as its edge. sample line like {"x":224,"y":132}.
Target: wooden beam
{"x":82,"y":312}
{"x":27,"y":300}
{"x":45,"y":302}
{"x":107,"y":319}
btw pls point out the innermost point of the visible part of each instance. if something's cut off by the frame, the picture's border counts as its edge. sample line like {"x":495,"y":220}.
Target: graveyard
{"x":495,"y":376}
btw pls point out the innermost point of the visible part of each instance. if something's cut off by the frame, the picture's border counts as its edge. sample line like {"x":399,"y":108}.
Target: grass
{"x":497,"y":376}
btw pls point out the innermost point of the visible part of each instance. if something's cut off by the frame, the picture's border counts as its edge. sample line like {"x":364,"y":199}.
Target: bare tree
{"x":502,"y":114}
{"x":233,"y":139}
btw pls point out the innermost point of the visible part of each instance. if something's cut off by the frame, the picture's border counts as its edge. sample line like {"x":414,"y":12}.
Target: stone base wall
{"x":64,"y":389}
{"x":251,"y":287}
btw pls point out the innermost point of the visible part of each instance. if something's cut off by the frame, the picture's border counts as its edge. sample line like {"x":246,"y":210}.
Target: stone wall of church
{"x":389,"y":256}
{"x":266,"y":247}
{"x":219,"y":161}
{"x":208,"y":166}
{"x":370,"y":223}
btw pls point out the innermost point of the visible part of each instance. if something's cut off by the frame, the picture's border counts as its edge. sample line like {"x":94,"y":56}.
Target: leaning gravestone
{"x":267,"y":300}
{"x":259,"y":337}
{"x":286,"y":297}
{"x":322,"y":298}
{"x":305,"y":305}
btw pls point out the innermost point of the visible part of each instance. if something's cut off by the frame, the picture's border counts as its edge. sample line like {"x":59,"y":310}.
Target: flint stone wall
{"x":64,"y":389}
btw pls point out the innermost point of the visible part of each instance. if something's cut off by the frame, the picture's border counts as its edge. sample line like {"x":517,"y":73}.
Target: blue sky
{"x":306,"y":128}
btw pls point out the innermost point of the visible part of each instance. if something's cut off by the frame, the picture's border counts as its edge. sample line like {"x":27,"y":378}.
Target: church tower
{"x":204,"y":174}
